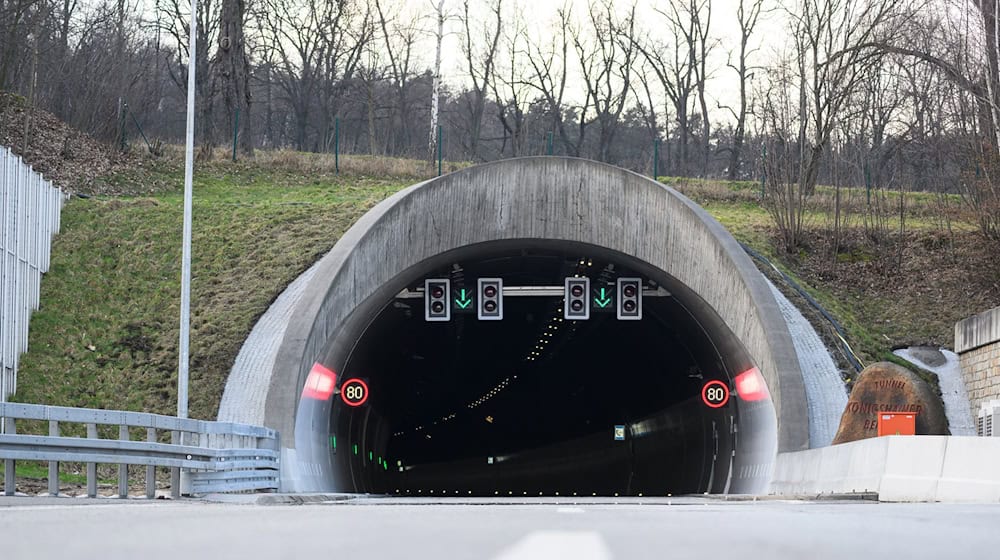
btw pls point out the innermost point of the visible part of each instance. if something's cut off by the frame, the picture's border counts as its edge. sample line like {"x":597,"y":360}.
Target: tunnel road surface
{"x":583,"y":529}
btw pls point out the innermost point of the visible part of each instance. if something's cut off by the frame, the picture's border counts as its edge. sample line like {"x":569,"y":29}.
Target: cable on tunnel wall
{"x":841,"y":334}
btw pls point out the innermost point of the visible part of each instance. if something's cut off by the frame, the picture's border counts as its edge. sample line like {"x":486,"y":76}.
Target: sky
{"x":540,"y":17}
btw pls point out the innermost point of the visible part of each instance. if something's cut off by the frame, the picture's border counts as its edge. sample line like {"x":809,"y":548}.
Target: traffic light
{"x":437,"y":299}
{"x":629,"y":299}
{"x":577,"y":303}
{"x":490,"y":299}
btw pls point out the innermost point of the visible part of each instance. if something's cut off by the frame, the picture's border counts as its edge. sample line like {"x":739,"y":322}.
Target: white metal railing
{"x":29,"y":217}
{"x":220,"y":456}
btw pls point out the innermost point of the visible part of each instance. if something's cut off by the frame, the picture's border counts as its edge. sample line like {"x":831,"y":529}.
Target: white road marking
{"x":550,"y":545}
{"x":569,"y":510}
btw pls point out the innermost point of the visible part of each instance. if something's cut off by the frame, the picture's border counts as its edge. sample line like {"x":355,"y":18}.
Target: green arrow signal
{"x":603,"y":301}
{"x":463,"y":302}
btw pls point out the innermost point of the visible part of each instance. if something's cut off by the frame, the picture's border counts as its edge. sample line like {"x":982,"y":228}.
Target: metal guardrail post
{"x":122,"y":467}
{"x":10,"y":472}
{"x":92,"y":467}
{"x":53,"y":465}
{"x":150,"y":469}
{"x":175,"y":472}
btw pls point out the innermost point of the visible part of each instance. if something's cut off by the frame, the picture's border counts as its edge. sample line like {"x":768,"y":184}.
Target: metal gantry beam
{"x":531,"y":291}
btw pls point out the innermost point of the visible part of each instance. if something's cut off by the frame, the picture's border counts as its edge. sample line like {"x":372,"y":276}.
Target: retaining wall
{"x":977,"y":342}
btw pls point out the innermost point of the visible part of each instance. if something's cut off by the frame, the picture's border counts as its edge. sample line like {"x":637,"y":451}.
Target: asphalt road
{"x":31,"y":528}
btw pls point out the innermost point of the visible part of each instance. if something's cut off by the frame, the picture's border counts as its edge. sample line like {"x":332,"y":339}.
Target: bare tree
{"x":399,"y":39}
{"x":671,"y":61}
{"x":510,"y":86}
{"x":293,"y":33}
{"x":480,"y":59}
{"x":692,"y":19}
{"x":829,"y":36}
{"x":233,"y":70}
{"x":439,"y":17}
{"x":548,"y":70}
{"x":606,"y":57}
{"x":15,"y":16}
{"x":175,"y":23}
{"x":747,"y":14}
{"x":345,"y":38}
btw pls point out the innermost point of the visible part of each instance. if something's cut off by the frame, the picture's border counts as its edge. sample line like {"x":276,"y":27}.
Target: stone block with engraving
{"x":887,"y":387}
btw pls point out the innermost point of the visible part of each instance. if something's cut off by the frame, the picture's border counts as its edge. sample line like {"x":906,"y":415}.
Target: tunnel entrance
{"x":535,"y":404}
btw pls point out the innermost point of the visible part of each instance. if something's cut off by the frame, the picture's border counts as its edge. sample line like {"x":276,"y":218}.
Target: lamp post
{"x":182,"y":366}
{"x":179,"y":481}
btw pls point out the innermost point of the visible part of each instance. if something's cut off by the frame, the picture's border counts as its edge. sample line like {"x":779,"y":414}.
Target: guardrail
{"x":29,"y":217}
{"x":220,"y":456}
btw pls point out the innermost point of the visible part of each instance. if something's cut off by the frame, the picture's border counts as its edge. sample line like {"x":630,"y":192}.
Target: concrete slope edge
{"x":897,"y":468}
{"x":390,"y":238}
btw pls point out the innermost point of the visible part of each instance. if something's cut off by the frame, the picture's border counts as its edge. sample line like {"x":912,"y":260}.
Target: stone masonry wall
{"x":977,"y":342}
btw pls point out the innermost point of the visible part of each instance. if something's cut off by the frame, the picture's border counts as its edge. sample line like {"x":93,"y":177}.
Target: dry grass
{"x":326,"y":163}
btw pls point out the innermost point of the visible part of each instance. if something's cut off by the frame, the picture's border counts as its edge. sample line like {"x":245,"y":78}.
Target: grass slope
{"x":106,"y":334}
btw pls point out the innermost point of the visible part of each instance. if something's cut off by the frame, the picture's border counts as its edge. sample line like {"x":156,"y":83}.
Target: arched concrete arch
{"x":545,"y":198}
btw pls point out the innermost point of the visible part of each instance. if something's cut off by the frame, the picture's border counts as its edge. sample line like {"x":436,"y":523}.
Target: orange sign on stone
{"x":897,"y":424}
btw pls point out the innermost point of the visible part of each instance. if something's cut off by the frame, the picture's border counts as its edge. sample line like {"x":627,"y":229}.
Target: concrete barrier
{"x":898,"y":468}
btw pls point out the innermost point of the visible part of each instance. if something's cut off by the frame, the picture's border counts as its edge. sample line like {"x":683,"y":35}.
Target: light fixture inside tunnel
{"x":750,"y":385}
{"x":320,"y":383}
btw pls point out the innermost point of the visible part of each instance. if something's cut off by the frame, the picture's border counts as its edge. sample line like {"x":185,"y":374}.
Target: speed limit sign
{"x":354,"y":392}
{"x":715,"y":394}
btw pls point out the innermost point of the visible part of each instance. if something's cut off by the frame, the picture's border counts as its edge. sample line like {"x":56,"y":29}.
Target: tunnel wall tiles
{"x":977,"y":342}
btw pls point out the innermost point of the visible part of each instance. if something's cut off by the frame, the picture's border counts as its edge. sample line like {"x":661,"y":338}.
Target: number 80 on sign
{"x":354,"y":392}
{"x":715,"y":394}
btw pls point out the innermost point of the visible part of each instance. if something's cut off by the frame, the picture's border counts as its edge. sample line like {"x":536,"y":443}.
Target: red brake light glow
{"x":750,"y":385}
{"x":320,"y":383}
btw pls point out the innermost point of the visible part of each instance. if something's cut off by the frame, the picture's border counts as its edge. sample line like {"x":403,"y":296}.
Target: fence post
{"x":868,"y":183}
{"x":763,"y":169}
{"x":175,"y":472}
{"x":656,"y":158}
{"x":150,"y":469}
{"x":122,"y":467}
{"x":439,"y":150}
{"x":548,"y":149}
{"x":236,"y":129}
{"x":5,"y":189}
{"x":336,"y":145}
{"x":10,"y":470}
{"x":92,"y":467}
{"x":53,"y":465}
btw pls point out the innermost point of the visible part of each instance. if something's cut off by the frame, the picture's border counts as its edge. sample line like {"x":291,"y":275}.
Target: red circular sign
{"x":715,"y":394}
{"x":354,"y":392}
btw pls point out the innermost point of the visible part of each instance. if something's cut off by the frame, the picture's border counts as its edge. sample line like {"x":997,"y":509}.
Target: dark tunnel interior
{"x":535,"y":404}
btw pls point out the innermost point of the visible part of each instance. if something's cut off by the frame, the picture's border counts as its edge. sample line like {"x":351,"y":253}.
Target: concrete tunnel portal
{"x":535,"y":403}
